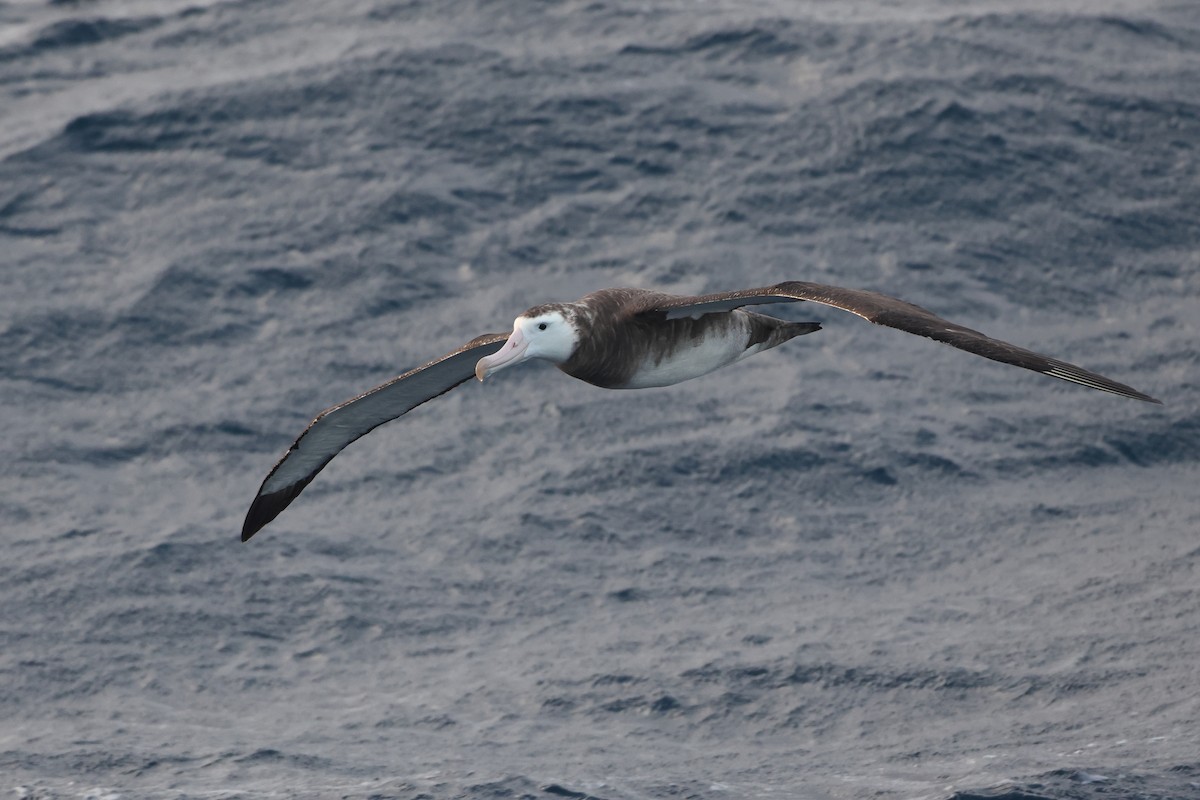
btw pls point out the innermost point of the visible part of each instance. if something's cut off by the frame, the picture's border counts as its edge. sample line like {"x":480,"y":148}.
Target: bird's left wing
{"x":336,"y":427}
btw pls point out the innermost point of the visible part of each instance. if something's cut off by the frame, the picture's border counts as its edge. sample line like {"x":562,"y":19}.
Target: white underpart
{"x":712,"y":353}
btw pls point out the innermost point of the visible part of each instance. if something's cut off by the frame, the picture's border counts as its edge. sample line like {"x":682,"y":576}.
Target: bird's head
{"x":542,"y":332}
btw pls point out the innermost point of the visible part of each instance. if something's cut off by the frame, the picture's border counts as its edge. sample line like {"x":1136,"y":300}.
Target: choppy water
{"x":858,"y":566}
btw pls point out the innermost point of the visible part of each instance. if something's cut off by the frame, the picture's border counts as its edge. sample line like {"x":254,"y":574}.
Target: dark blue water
{"x":860,"y":565}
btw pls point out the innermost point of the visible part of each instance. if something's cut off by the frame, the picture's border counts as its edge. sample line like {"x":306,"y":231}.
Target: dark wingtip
{"x":257,"y":517}
{"x":1069,"y":372}
{"x":267,"y":507}
{"x":249,"y":529}
{"x":1145,"y":398}
{"x":1127,"y":391}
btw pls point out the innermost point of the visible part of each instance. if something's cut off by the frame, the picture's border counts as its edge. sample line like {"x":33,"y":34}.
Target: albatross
{"x":627,"y":339}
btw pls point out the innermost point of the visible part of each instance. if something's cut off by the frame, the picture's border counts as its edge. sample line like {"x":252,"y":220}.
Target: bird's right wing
{"x":891,"y":312}
{"x":336,"y":427}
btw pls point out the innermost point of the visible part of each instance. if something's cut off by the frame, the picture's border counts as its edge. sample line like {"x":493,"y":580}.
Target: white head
{"x":538,"y":333}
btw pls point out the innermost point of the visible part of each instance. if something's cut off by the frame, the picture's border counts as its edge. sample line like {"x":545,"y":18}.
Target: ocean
{"x":861,"y":565}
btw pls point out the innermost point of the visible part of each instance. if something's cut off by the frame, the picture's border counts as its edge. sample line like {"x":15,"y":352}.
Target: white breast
{"x":718,"y":349}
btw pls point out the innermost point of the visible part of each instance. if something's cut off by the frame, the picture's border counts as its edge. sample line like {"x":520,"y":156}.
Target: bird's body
{"x":627,"y":339}
{"x":619,"y":350}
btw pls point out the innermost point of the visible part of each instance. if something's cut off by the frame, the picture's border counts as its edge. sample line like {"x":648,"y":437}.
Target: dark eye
{"x":541,"y":326}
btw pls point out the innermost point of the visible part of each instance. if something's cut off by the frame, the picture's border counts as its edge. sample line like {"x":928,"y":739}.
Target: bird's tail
{"x":783,"y":331}
{"x":795,"y":329}
{"x":772,"y":331}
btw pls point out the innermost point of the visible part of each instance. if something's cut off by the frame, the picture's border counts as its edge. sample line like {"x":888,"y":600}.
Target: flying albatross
{"x":627,"y":339}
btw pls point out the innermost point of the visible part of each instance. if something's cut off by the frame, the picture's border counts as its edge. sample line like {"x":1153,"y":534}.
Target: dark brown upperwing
{"x":891,"y":312}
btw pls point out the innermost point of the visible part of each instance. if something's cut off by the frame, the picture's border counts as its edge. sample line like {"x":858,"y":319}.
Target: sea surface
{"x":862,"y":565}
